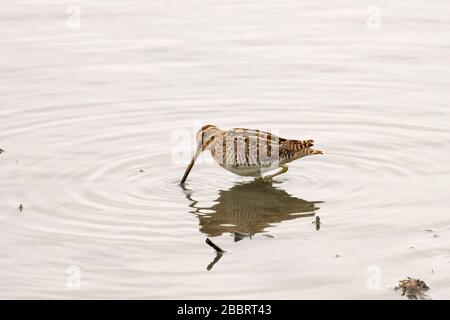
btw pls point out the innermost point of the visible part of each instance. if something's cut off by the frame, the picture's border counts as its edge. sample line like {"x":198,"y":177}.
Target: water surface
{"x":92,"y":122}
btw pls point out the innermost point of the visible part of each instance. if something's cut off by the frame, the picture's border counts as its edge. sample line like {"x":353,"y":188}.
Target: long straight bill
{"x":189,"y":168}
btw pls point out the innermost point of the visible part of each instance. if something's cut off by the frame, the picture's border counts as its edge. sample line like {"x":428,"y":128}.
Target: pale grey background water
{"x":82,"y":111}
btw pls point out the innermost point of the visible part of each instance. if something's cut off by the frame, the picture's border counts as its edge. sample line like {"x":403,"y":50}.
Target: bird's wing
{"x":247,"y":147}
{"x":266,"y":136}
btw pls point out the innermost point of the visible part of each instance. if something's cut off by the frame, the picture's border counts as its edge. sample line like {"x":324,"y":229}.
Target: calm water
{"x":92,"y":122}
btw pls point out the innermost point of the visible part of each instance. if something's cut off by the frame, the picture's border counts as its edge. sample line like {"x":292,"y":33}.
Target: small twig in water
{"x":317,"y":223}
{"x":214,"y":246}
{"x":21,"y":208}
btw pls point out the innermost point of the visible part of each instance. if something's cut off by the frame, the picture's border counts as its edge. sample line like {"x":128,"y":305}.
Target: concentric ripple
{"x":97,"y":168}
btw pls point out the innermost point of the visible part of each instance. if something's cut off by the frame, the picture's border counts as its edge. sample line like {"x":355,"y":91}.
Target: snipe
{"x":248,"y":152}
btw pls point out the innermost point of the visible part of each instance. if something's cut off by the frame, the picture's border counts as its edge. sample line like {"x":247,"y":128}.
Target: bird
{"x":249,"y":152}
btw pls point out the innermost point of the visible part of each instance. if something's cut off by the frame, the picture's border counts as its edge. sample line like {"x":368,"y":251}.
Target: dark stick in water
{"x":213,"y":245}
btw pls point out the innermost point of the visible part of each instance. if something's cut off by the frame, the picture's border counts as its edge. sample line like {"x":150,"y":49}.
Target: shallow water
{"x":93,"y":122}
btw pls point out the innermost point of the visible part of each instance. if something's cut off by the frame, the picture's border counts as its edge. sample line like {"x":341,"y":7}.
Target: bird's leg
{"x":283,"y":167}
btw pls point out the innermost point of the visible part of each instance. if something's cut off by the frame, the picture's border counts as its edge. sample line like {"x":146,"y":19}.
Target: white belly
{"x":252,"y":171}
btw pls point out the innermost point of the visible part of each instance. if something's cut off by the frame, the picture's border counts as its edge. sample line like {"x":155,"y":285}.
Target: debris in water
{"x":413,"y":288}
{"x":337,"y":256}
{"x":1,"y":151}
{"x":317,"y":222}
{"x":429,"y":230}
{"x":214,"y":246}
{"x":238,"y":236}
{"x":141,"y":170}
{"x":268,"y":235}
{"x":21,"y":208}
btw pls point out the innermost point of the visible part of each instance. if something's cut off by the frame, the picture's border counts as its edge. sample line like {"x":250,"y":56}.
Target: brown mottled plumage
{"x":248,"y":152}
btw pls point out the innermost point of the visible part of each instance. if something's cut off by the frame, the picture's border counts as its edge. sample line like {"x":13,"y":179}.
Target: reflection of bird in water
{"x":246,"y":209}
{"x":249,"y":208}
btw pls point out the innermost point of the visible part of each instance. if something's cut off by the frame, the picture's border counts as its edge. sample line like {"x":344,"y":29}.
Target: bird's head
{"x":206,"y":136}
